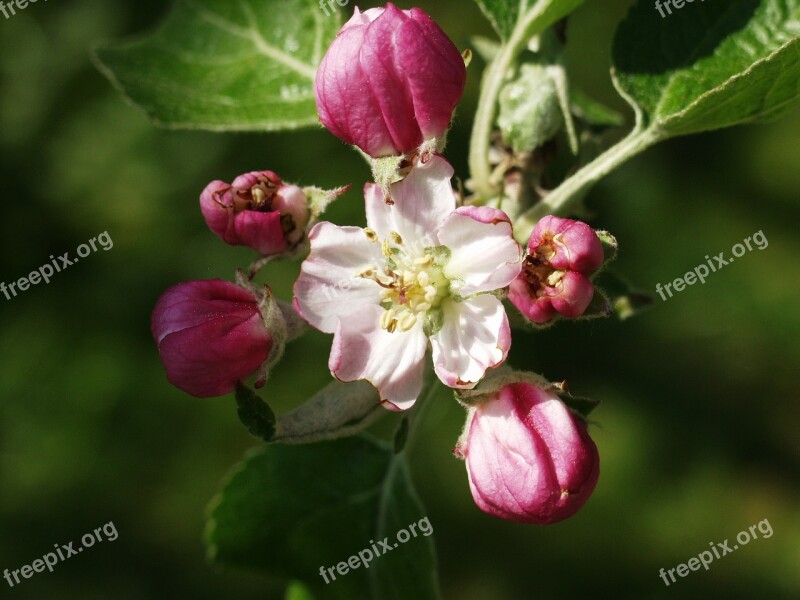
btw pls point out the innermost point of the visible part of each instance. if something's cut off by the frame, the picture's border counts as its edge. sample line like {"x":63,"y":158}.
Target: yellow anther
{"x":373,"y":237}
{"x":387,"y":318}
{"x":408,"y":321}
{"x":396,"y":238}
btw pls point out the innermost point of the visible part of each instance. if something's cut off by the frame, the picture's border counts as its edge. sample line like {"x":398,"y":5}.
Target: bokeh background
{"x":698,"y":427}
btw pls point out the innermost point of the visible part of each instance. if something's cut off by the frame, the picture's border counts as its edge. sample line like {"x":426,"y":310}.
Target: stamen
{"x":373,"y":237}
{"x":387,"y":318}
{"x":396,"y":238}
{"x":408,"y":321}
{"x":259,"y":196}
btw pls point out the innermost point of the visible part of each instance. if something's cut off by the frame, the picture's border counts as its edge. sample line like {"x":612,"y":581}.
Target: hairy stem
{"x":561,"y":200}
{"x":494,"y":78}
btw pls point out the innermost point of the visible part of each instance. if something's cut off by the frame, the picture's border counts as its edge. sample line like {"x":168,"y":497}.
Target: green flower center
{"x":413,"y":282}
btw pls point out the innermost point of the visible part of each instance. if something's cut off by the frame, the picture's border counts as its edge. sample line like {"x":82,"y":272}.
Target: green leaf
{"x":247,"y":65}
{"x":338,"y":410}
{"x":254,"y":413}
{"x":292,"y":510}
{"x":504,"y":14}
{"x":709,"y":65}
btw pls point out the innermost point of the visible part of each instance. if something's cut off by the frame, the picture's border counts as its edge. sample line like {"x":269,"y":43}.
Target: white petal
{"x":392,"y":362}
{"x":474,"y":337}
{"x":329,"y":287}
{"x":422,"y":201}
{"x":484,"y":254}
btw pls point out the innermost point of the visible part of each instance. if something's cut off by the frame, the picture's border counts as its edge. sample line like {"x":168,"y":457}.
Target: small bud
{"x":256,"y":210}
{"x":555,"y":279}
{"x":529,"y":459}
{"x":210,"y":334}
{"x":389,"y":81}
{"x":529,"y":110}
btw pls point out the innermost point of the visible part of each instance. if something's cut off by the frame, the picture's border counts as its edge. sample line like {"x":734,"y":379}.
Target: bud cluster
{"x":427,"y":276}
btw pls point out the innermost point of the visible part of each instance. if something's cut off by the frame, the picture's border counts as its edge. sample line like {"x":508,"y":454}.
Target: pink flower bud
{"x":210,"y":334}
{"x":562,"y":254}
{"x":257,"y":210}
{"x":529,"y":459}
{"x":390,"y":81}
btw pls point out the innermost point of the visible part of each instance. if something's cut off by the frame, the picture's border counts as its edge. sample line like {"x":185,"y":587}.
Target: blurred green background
{"x":698,"y":426}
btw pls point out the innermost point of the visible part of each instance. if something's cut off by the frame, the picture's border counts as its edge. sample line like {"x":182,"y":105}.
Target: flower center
{"x":257,"y":198}
{"x":413,"y":283}
{"x":538,"y":271}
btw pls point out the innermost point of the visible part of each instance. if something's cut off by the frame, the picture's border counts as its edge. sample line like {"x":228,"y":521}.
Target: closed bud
{"x":210,"y":334}
{"x":529,"y":459}
{"x":555,"y":279}
{"x":390,"y":81}
{"x":257,"y":210}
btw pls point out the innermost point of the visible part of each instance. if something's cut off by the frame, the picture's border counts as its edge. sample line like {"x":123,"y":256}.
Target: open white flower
{"x":422,"y":270}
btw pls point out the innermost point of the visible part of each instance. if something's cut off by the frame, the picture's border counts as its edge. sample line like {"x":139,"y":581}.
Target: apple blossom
{"x":390,"y":81}
{"x":423,"y":270}
{"x":529,"y":459}
{"x":562,"y":254}
{"x":257,"y":210}
{"x":210,"y":334}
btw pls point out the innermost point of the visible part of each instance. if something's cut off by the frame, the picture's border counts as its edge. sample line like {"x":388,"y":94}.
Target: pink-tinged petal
{"x":328,"y":286}
{"x":435,"y":70}
{"x":484,"y":255}
{"x":339,"y":80}
{"x":572,"y":296}
{"x":576,"y":245}
{"x":388,"y":77}
{"x":217,"y":207}
{"x":377,"y":60}
{"x":571,"y":450}
{"x":529,"y":459}
{"x":261,"y":231}
{"x":292,"y":201}
{"x":392,"y":362}
{"x":536,"y":310}
{"x":507,"y":477}
{"x":422,"y":201}
{"x":475,"y":336}
{"x":210,"y":334}
{"x":363,"y":18}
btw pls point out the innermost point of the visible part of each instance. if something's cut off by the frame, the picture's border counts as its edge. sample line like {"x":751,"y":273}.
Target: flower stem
{"x":561,"y":200}
{"x":531,"y":24}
